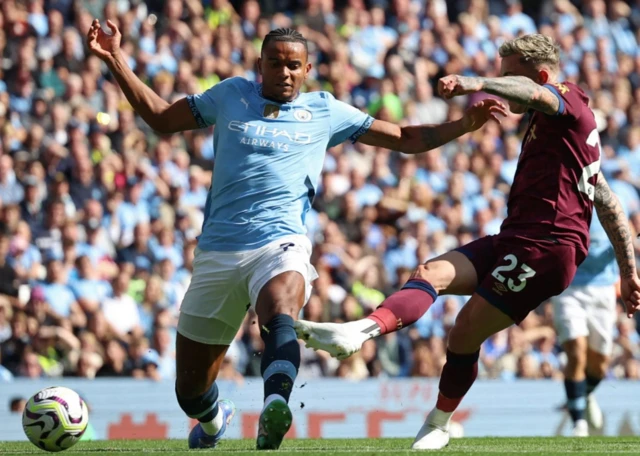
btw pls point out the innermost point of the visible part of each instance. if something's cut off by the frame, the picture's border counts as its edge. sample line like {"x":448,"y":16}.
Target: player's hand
{"x":102,"y":44}
{"x":481,"y":112}
{"x":455,"y":85}
{"x":630,"y":293}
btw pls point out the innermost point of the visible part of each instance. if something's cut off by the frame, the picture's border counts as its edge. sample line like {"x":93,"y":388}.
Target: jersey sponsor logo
{"x":271,"y":111}
{"x":302,"y":115}
{"x":265,"y":136}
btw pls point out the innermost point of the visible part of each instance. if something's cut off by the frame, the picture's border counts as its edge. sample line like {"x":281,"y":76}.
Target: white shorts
{"x":224,"y":285}
{"x":587,"y":311}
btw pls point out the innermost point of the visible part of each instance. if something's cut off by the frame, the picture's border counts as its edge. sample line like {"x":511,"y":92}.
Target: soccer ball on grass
{"x":55,"y":418}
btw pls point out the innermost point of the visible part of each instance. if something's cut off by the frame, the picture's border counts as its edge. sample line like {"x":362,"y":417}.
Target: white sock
{"x":213,"y":427}
{"x":366,"y":326}
{"x":440,"y":419}
{"x":271,"y":398}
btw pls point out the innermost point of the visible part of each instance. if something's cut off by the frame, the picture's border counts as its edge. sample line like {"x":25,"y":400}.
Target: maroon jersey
{"x":553,"y":189}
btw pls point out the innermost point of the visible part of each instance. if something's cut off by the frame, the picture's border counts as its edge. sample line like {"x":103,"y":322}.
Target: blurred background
{"x":99,"y":214}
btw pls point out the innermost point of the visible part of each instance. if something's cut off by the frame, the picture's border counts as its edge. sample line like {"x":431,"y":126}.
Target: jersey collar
{"x":259,"y":89}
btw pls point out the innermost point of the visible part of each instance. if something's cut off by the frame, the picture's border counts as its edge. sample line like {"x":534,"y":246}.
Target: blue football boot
{"x":200,"y":439}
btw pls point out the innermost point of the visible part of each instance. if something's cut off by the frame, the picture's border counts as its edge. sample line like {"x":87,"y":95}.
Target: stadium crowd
{"x":99,"y":215}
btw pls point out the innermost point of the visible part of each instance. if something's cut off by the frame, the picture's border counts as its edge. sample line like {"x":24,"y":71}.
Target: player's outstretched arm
{"x":518,"y":89}
{"x":615,"y":222}
{"x":156,"y":112}
{"x":421,"y":138}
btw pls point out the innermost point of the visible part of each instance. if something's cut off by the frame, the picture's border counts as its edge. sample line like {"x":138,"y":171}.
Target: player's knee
{"x":576,"y":350}
{"x":597,"y":366}
{"x":433,"y":273}
{"x":462,"y":337}
{"x":576,"y":357}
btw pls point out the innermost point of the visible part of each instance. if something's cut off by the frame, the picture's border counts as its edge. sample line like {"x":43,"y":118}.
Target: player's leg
{"x":526,"y":274}
{"x":575,"y":383}
{"x":278,"y":305}
{"x":570,"y":321}
{"x":601,"y":320}
{"x":452,"y":273}
{"x":477,"y":321}
{"x":279,"y":288}
{"x":197,"y":366}
{"x":210,"y":315}
{"x":597,"y":365}
{"x":455,"y":272}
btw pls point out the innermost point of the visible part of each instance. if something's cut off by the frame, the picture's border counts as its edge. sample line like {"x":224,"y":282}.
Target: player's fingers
{"x":498,"y":108}
{"x":113,"y":27}
{"x":92,"y":28}
{"x":496,"y":118}
{"x":495,"y":102}
{"x":500,"y":112}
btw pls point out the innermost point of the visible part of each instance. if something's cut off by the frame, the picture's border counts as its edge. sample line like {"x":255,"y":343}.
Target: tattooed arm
{"x":518,"y":89}
{"x":421,"y":138}
{"x":615,"y":223}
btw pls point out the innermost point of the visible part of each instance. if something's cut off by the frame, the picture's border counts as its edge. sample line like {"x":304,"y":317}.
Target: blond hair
{"x":535,"y":48}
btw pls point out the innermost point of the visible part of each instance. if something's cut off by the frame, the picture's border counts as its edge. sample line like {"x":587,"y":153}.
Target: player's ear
{"x":307,"y":70}
{"x":543,"y":76}
{"x":259,"y":63}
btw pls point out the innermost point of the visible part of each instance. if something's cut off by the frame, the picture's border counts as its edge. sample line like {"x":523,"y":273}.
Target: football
{"x":55,"y":418}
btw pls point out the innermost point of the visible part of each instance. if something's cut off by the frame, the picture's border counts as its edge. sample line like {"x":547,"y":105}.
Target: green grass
{"x":475,"y":446}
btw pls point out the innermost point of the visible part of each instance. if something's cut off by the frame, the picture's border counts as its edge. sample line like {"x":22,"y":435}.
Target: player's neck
{"x":275,"y":100}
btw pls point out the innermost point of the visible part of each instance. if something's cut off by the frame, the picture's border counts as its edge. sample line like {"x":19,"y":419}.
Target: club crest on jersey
{"x":561,"y":87}
{"x":271,"y":111}
{"x":302,"y":115}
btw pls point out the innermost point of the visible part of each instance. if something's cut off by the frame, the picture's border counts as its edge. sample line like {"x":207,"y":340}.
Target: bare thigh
{"x":283,"y":294}
{"x":450,"y":274}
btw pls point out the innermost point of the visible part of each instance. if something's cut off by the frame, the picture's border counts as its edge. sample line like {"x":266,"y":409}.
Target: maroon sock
{"x":404,"y":307}
{"x":458,"y":374}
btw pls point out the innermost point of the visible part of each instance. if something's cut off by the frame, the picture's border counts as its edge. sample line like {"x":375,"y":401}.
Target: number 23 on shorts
{"x":513,"y":263}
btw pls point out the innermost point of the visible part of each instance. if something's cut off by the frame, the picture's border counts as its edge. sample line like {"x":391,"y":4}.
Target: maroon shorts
{"x":518,"y":274}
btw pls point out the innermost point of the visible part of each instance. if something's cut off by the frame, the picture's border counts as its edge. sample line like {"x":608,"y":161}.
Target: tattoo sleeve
{"x":615,"y":223}
{"x":522,"y":90}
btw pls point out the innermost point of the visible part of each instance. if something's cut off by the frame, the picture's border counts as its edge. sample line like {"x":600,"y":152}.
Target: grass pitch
{"x":344,"y":447}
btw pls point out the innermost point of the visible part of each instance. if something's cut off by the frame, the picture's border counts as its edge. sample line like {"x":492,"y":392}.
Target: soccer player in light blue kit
{"x":585,"y":317}
{"x":270,"y":143}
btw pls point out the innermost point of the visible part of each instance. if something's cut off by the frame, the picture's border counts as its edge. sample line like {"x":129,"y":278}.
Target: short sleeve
{"x":570,"y":97}
{"x":205,"y":106}
{"x":347,"y":122}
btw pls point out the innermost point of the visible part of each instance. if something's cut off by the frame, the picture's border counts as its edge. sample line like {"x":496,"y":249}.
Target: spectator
{"x":17,"y":404}
{"x":121,"y":311}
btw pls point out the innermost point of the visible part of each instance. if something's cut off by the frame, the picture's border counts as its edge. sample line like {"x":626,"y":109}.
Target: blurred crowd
{"x":99,"y":215}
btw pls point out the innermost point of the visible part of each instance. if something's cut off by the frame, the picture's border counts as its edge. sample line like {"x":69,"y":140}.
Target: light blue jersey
{"x":600,"y":267}
{"x":269,"y":157}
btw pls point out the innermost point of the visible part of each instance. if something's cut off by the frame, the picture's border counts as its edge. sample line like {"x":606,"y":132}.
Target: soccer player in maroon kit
{"x":541,"y":243}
